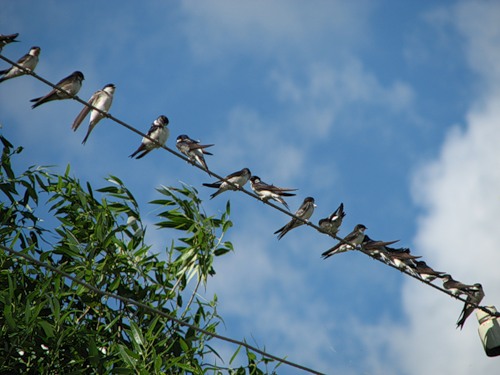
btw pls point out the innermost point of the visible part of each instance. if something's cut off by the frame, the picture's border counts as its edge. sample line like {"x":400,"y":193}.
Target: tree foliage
{"x":50,"y":324}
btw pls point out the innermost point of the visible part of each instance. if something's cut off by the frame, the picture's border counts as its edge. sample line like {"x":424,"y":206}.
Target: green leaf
{"x":233,"y":357}
{"x":128,"y":356}
{"x":136,"y":334}
{"x":47,"y":328}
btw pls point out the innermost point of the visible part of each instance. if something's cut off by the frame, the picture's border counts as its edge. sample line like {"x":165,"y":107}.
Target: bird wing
{"x":83,"y":113}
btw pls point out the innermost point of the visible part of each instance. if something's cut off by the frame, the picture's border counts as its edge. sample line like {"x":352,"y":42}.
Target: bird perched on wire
{"x":102,"y":100}
{"x":304,"y":212}
{"x":66,"y":88}
{"x":159,"y":132}
{"x":6,"y":39}
{"x":455,"y":287}
{"x":28,"y":62}
{"x":193,"y":150}
{"x":425,"y":272}
{"x":269,"y":191}
{"x":376,"y":249}
{"x":353,"y":239}
{"x":238,"y":178}
{"x":475,"y":296}
{"x":331,"y":224}
{"x":403,"y":259}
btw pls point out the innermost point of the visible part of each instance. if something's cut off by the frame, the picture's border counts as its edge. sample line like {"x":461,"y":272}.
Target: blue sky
{"x":390,"y":107}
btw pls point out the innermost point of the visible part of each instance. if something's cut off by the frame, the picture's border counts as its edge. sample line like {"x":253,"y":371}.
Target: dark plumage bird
{"x":28,"y":62}
{"x":455,"y":287}
{"x":238,"y":178}
{"x":159,"y":132}
{"x":193,"y":150}
{"x":353,"y":239}
{"x":269,"y":191}
{"x":304,"y":212}
{"x":403,"y":259}
{"x":475,"y":296}
{"x":377,"y":249}
{"x":331,"y":224}
{"x":67,"y":88}
{"x":425,"y":272}
{"x":6,"y":39}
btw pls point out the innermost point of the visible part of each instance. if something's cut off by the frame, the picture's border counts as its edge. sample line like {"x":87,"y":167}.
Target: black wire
{"x":306,"y":222}
{"x":155,"y":311}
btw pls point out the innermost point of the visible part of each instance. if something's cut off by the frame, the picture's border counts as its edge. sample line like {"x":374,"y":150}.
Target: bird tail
{"x":463,"y":316}
{"x":136,"y":152}
{"x":332,"y":251}
{"x":212,"y":196}
{"x":280,"y":230}
{"x":143,"y":154}
{"x":214,"y":185}
{"x":37,"y":101}
{"x":203,"y":163}
{"x":88,"y":134}
{"x":282,"y":201}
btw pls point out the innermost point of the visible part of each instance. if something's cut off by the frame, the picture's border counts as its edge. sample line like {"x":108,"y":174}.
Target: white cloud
{"x":320,"y":103}
{"x":261,"y":145}
{"x":478,"y":22}
{"x":459,"y":230}
{"x":262,"y":29}
{"x":271,"y":297}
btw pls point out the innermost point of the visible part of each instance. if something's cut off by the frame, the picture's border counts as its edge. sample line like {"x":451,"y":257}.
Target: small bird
{"x":476,"y":295}
{"x":403,"y":259}
{"x":376,"y":249}
{"x":354,"y":239}
{"x":304,"y":212}
{"x":238,"y":178}
{"x":455,"y":287}
{"x":28,"y":62}
{"x":331,"y":224}
{"x":6,"y":39}
{"x":193,"y":150}
{"x":67,"y":87}
{"x":159,"y":132}
{"x":102,"y":100}
{"x":425,"y":272}
{"x":268,"y":191}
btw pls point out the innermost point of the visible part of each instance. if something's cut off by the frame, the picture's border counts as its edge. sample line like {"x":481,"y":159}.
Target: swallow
{"x":193,"y":150}
{"x":269,"y":191}
{"x":376,"y":249}
{"x":6,"y":39}
{"x":331,"y":224}
{"x":102,"y":100}
{"x":238,"y":178}
{"x":28,"y":62}
{"x":159,"y":132}
{"x":455,"y":287}
{"x":425,"y":272}
{"x":475,"y":296}
{"x":304,"y":212}
{"x":67,"y":88}
{"x":354,"y":239}
{"x":403,"y":259}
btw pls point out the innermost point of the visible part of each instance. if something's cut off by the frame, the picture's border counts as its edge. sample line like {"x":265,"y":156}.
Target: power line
{"x":155,"y":311}
{"x":135,"y":130}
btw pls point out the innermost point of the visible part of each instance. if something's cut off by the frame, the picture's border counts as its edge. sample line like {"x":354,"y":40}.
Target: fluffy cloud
{"x":458,"y":231}
{"x":263,"y":29}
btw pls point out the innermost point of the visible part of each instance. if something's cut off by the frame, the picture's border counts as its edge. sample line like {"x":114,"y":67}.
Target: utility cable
{"x":153,"y":310}
{"x":251,"y":194}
